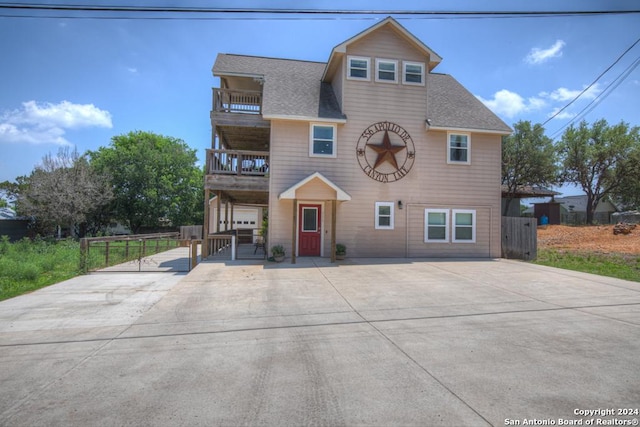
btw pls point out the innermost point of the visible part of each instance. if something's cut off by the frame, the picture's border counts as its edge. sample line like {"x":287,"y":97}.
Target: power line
{"x":601,"y":97}
{"x":592,"y":83}
{"x":288,"y":11}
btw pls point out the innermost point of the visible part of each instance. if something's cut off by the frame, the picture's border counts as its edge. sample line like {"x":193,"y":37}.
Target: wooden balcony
{"x":232,"y":107}
{"x":237,"y":162}
{"x":241,"y":174}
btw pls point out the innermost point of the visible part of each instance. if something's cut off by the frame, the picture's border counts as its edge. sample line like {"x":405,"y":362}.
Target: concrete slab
{"x":361,"y":342}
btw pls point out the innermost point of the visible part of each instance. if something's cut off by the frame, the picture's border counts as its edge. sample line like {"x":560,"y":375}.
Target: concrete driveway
{"x":362,"y":342}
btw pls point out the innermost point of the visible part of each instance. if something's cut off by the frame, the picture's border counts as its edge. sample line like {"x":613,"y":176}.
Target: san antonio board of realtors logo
{"x":385,"y":152}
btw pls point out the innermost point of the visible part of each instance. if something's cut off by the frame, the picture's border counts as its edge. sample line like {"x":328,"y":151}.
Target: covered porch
{"x":312,"y":200}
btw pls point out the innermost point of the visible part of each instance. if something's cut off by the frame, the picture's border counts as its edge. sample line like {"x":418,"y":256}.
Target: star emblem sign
{"x":386,"y":151}
{"x":384,"y":161}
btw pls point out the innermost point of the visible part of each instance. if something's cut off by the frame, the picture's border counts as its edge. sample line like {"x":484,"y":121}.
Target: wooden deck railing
{"x":237,"y":162}
{"x":237,"y":101}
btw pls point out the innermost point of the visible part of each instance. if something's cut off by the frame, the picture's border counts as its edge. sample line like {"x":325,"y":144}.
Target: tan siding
{"x":430,"y":183}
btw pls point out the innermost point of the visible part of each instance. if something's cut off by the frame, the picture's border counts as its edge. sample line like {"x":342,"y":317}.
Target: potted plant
{"x":277,"y":251}
{"x":341,"y":251}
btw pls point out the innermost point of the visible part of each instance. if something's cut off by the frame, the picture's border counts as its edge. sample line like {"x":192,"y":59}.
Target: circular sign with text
{"x":385,"y":152}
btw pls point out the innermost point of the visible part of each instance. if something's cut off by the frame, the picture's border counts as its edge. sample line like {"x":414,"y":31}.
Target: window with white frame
{"x":384,"y":215}
{"x":386,"y":70}
{"x":322,"y":140}
{"x":436,"y":225}
{"x":464,"y":225}
{"x":459,"y":148}
{"x":413,"y":73}
{"x":358,"y":68}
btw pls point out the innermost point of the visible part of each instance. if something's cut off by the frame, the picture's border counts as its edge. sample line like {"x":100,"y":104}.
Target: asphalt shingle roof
{"x":450,"y":105}
{"x":294,"y":88}
{"x":291,"y":88}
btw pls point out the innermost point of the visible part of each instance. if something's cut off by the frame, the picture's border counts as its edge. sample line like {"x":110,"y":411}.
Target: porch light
{"x":399,"y":204}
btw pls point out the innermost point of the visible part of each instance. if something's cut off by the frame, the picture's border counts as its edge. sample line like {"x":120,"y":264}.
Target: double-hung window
{"x":436,"y":225}
{"x":464,"y":225}
{"x":358,"y":68}
{"x":449,"y":225}
{"x":322,"y":140}
{"x":413,"y":73}
{"x":459,"y":148}
{"x":386,"y":70}
{"x":384,"y":215}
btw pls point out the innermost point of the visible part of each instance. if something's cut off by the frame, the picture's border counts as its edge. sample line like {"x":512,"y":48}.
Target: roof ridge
{"x":272,"y":58}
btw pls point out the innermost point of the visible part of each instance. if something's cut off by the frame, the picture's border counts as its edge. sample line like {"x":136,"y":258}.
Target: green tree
{"x":598,"y":159}
{"x":628,"y":193}
{"x":528,"y":158}
{"x":155,"y":179}
{"x":64,"y":191}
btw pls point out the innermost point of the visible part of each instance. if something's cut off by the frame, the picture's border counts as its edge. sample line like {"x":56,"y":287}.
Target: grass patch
{"x":29,"y":265}
{"x":625,"y":267}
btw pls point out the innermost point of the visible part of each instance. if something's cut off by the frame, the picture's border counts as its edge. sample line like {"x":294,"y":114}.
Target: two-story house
{"x":371,"y":149}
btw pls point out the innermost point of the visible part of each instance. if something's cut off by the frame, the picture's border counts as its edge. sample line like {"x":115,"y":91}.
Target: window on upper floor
{"x":384,"y":215}
{"x":413,"y":73}
{"x":386,"y":70}
{"x":322,"y":140}
{"x":459,"y":148}
{"x":358,"y":68}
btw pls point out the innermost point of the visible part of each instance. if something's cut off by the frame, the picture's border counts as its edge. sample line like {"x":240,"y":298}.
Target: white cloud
{"x":563,"y":94}
{"x":510,"y":104}
{"x":564,"y":115}
{"x":47,"y":123}
{"x":538,"y":56}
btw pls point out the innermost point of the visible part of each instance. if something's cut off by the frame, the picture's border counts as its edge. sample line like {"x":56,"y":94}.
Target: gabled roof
{"x":291,"y":88}
{"x":341,"y":49}
{"x":451,"y":106}
{"x":290,"y":193}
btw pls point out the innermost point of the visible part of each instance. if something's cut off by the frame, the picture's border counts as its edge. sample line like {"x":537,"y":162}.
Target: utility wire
{"x":601,"y":97}
{"x":592,"y":83}
{"x":217,"y":10}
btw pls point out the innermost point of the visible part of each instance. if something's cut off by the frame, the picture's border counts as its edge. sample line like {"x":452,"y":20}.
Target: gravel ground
{"x":599,"y":238}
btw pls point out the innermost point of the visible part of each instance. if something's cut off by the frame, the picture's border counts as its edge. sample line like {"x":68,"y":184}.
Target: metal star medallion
{"x":386,"y":151}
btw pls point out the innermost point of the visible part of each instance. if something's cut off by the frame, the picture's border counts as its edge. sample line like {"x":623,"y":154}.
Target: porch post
{"x":218,"y":206}
{"x":293,"y":231}
{"x":205,"y":225}
{"x":226,"y":215}
{"x":333,"y":230}
{"x":231,"y":220}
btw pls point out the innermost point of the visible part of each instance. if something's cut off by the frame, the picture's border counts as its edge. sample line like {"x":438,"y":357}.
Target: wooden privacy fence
{"x":519,"y":238}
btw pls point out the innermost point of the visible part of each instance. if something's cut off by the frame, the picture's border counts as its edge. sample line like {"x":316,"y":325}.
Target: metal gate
{"x":138,"y":253}
{"x":519,"y":238}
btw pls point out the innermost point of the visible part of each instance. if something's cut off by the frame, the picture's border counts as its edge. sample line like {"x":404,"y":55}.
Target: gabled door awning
{"x":340,"y":194}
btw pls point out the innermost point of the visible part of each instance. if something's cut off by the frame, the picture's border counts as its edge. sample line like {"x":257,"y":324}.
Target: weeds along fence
{"x":102,"y":252}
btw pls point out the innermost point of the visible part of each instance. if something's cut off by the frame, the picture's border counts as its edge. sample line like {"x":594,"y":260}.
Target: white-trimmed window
{"x":436,"y":225}
{"x":459,"y":148}
{"x":358,"y":68}
{"x":413,"y":73}
{"x":464,"y":225}
{"x":384,"y":215}
{"x":386,"y":70}
{"x":322,"y":140}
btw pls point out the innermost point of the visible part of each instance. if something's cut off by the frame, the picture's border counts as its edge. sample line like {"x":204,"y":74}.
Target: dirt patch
{"x":598,"y":238}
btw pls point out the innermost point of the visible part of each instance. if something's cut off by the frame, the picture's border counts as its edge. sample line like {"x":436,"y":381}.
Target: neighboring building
{"x":371,"y":149}
{"x":573,"y":210}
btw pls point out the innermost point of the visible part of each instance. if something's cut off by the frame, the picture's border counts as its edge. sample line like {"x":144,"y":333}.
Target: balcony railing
{"x":237,"y":101}
{"x":237,"y":162}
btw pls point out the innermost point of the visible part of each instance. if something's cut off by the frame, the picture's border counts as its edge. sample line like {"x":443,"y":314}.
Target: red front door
{"x":309,"y":230}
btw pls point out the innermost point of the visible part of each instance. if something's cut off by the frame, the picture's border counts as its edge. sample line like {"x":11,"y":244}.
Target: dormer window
{"x":413,"y":73}
{"x":386,"y":70}
{"x":358,"y":68}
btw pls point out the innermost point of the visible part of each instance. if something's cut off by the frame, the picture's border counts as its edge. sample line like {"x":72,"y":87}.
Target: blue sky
{"x":79,"y":82}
